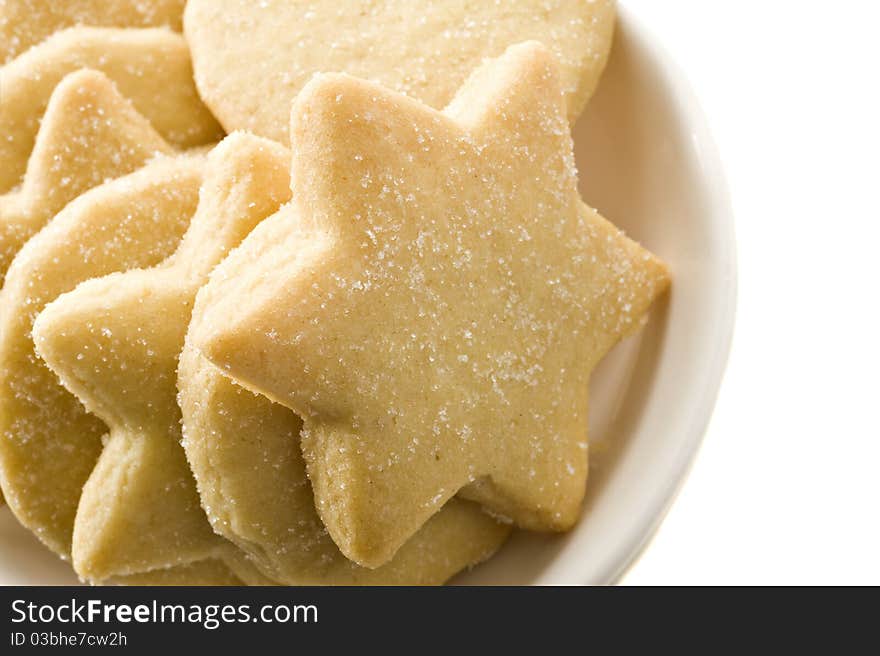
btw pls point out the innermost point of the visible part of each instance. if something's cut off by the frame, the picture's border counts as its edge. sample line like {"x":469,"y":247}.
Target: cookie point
{"x":84,"y":77}
{"x":44,"y":331}
{"x":215,"y":345}
{"x":243,"y":146}
{"x":532,"y":48}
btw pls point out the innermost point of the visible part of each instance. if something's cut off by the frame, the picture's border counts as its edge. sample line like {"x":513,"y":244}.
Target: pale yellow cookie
{"x":432,"y":302}
{"x":90,"y":134}
{"x":114,"y":342}
{"x":245,"y":454}
{"x":252,"y":58}
{"x":25,"y":23}
{"x":151,"y":67}
{"x":49,"y":444}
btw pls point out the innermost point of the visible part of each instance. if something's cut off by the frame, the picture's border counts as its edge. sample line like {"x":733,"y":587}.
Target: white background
{"x":786,"y":489}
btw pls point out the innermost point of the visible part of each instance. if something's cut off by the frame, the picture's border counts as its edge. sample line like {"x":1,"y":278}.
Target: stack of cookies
{"x":348,"y":343}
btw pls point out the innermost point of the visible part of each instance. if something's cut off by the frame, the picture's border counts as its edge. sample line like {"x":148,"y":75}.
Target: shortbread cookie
{"x":114,"y":342}
{"x":25,"y":23}
{"x":49,"y":444}
{"x":245,"y":453}
{"x":252,"y":58}
{"x":90,"y":134}
{"x":432,"y":302}
{"x":151,"y":67}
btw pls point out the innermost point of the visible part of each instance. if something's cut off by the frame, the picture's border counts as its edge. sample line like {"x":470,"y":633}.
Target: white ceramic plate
{"x":647,"y":163}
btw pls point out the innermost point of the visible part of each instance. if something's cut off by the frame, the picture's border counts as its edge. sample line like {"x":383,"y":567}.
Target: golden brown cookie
{"x":252,"y":58}
{"x":432,"y":302}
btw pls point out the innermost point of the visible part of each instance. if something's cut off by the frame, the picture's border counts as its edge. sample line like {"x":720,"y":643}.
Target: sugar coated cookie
{"x":49,"y":444}
{"x":252,"y":58}
{"x":245,"y":454}
{"x":151,"y":67}
{"x":432,"y":302}
{"x":114,"y":342}
{"x":90,"y":134}
{"x":25,"y":23}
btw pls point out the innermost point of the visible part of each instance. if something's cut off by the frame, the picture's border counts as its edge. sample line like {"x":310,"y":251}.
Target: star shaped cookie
{"x":245,"y":454}
{"x":25,"y":23}
{"x":151,"y":67}
{"x":114,"y":342}
{"x":90,"y":134}
{"x":49,"y":444}
{"x":432,"y":302}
